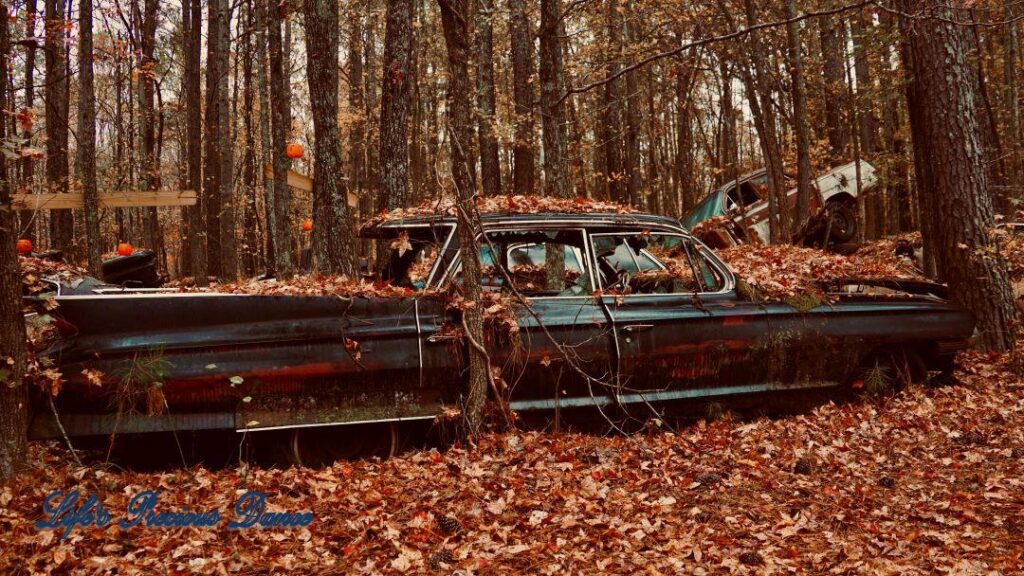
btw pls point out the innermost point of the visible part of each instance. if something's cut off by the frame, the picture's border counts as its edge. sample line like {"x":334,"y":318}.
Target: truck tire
{"x":843,"y":227}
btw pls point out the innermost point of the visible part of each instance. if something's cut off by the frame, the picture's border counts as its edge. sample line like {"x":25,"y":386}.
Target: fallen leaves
{"x":784,"y":271}
{"x":503,"y":205}
{"x":927,"y":482}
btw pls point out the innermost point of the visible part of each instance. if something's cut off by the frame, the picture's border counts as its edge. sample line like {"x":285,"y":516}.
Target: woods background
{"x":205,"y":95}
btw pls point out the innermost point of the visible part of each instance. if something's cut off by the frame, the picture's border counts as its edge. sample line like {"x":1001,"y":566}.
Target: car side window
{"x":644,"y":263}
{"x":540,"y":264}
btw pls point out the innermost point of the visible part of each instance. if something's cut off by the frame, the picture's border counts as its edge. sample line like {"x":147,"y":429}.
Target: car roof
{"x":628,"y":221}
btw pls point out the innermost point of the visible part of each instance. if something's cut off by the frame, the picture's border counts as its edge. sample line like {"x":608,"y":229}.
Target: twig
{"x":63,"y":433}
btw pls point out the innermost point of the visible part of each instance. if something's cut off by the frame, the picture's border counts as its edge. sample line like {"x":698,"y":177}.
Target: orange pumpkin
{"x":294,"y":150}
{"x":307,"y":225}
{"x":24,"y":246}
{"x":124,"y":249}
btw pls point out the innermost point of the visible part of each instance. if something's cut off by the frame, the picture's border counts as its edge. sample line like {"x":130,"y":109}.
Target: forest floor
{"x":929,"y":481}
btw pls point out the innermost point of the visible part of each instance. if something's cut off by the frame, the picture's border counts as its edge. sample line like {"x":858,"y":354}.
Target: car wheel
{"x":843,"y":226}
{"x":323,"y":445}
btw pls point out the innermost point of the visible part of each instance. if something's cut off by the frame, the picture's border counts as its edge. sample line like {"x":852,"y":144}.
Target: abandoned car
{"x":745,"y":201}
{"x":618,"y":311}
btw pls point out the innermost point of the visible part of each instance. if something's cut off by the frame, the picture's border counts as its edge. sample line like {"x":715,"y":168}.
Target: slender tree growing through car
{"x":456,"y":18}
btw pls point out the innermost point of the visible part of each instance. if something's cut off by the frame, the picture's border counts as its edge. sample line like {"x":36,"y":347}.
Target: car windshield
{"x":708,"y":208}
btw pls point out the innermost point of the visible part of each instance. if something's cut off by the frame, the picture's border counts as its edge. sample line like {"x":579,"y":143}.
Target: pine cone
{"x":804,"y":466}
{"x":441,"y":557}
{"x":448,"y":525}
{"x":751,"y":558}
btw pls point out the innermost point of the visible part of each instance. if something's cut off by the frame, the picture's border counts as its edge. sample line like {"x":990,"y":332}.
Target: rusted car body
{"x":641,"y":316}
{"x":745,"y":201}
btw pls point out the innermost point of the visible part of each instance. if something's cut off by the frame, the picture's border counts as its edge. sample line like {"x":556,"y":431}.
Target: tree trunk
{"x":947,"y":137}
{"x":685,"y":165}
{"x":226,"y":159}
{"x":490,"y":168}
{"x":86,"y":157}
{"x":212,"y":159}
{"x":266,"y":147}
{"x":148,"y":122}
{"x":634,"y":176}
{"x":611,"y":133}
{"x":192,"y":18}
{"x":455,"y":19}
{"x":832,"y":34}
{"x":728,"y":153}
{"x":523,"y":94}
{"x":760,"y":99}
{"x":800,"y":118}
{"x":13,"y":393}
{"x":332,"y":229}
{"x":27,"y":164}
{"x":251,"y":178}
{"x":55,"y":93}
{"x":394,"y":108}
{"x":552,"y":87}
{"x":280,"y":86}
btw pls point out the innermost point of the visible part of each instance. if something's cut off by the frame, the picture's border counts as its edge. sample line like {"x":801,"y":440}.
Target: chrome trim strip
{"x":637,"y":398}
{"x":334,"y":424}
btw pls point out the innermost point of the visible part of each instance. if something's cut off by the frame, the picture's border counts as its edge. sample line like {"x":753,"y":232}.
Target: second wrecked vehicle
{"x":638,"y":315}
{"x":745,"y":202}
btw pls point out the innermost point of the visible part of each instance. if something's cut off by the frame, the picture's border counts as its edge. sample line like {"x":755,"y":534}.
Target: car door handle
{"x":637,"y":327}
{"x":435,"y":338}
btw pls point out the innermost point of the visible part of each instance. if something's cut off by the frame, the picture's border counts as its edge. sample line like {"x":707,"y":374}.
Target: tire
{"x":321,"y":446}
{"x":843,"y":227}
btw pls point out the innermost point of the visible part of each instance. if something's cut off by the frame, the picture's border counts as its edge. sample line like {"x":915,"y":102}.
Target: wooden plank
{"x":305,"y":183}
{"x":123,"y":199}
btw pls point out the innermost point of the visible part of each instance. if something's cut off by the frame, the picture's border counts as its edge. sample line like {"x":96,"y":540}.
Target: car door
{"x":667,"y":340}
{"x":560,"y":352}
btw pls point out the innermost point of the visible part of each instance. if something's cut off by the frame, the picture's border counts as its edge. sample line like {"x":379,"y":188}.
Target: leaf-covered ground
{"x":928,"y":482}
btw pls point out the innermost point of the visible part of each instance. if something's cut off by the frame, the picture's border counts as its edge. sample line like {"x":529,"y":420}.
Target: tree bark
{"x":56,"y":96}
{"x":948,"y":141}
{"x":280,"y":87}
{"x":251,"y":178}
{"x":490,"y":168}
{"x":28,"y":164}
{"x":332,"y":227}
{"x":523,"y":94}
{"x":212,"y":158}
{"x":611,"y":131}
{"x":728,"y":153}
{"x":634,"y":175}
{"x":552,"y":87}
{"x":685,"y":165}
{"x":266,"y":147}
{"x":832,"y":37}
{"x":192,"y":19}
{"x":13,"y":392}
{"x":226,"y":160}
{"x":148,"y":122}
{"x":394,"y":107}
{"x":800,"y":117}
{"x":86,"y":157}
{"x":455,"y":15}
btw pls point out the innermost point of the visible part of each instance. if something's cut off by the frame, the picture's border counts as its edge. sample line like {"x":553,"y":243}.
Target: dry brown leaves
{"x":783,"y":271}
{"x":929,"y":482}
{"x":311,"y":285}
{"x":504,"y":204}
